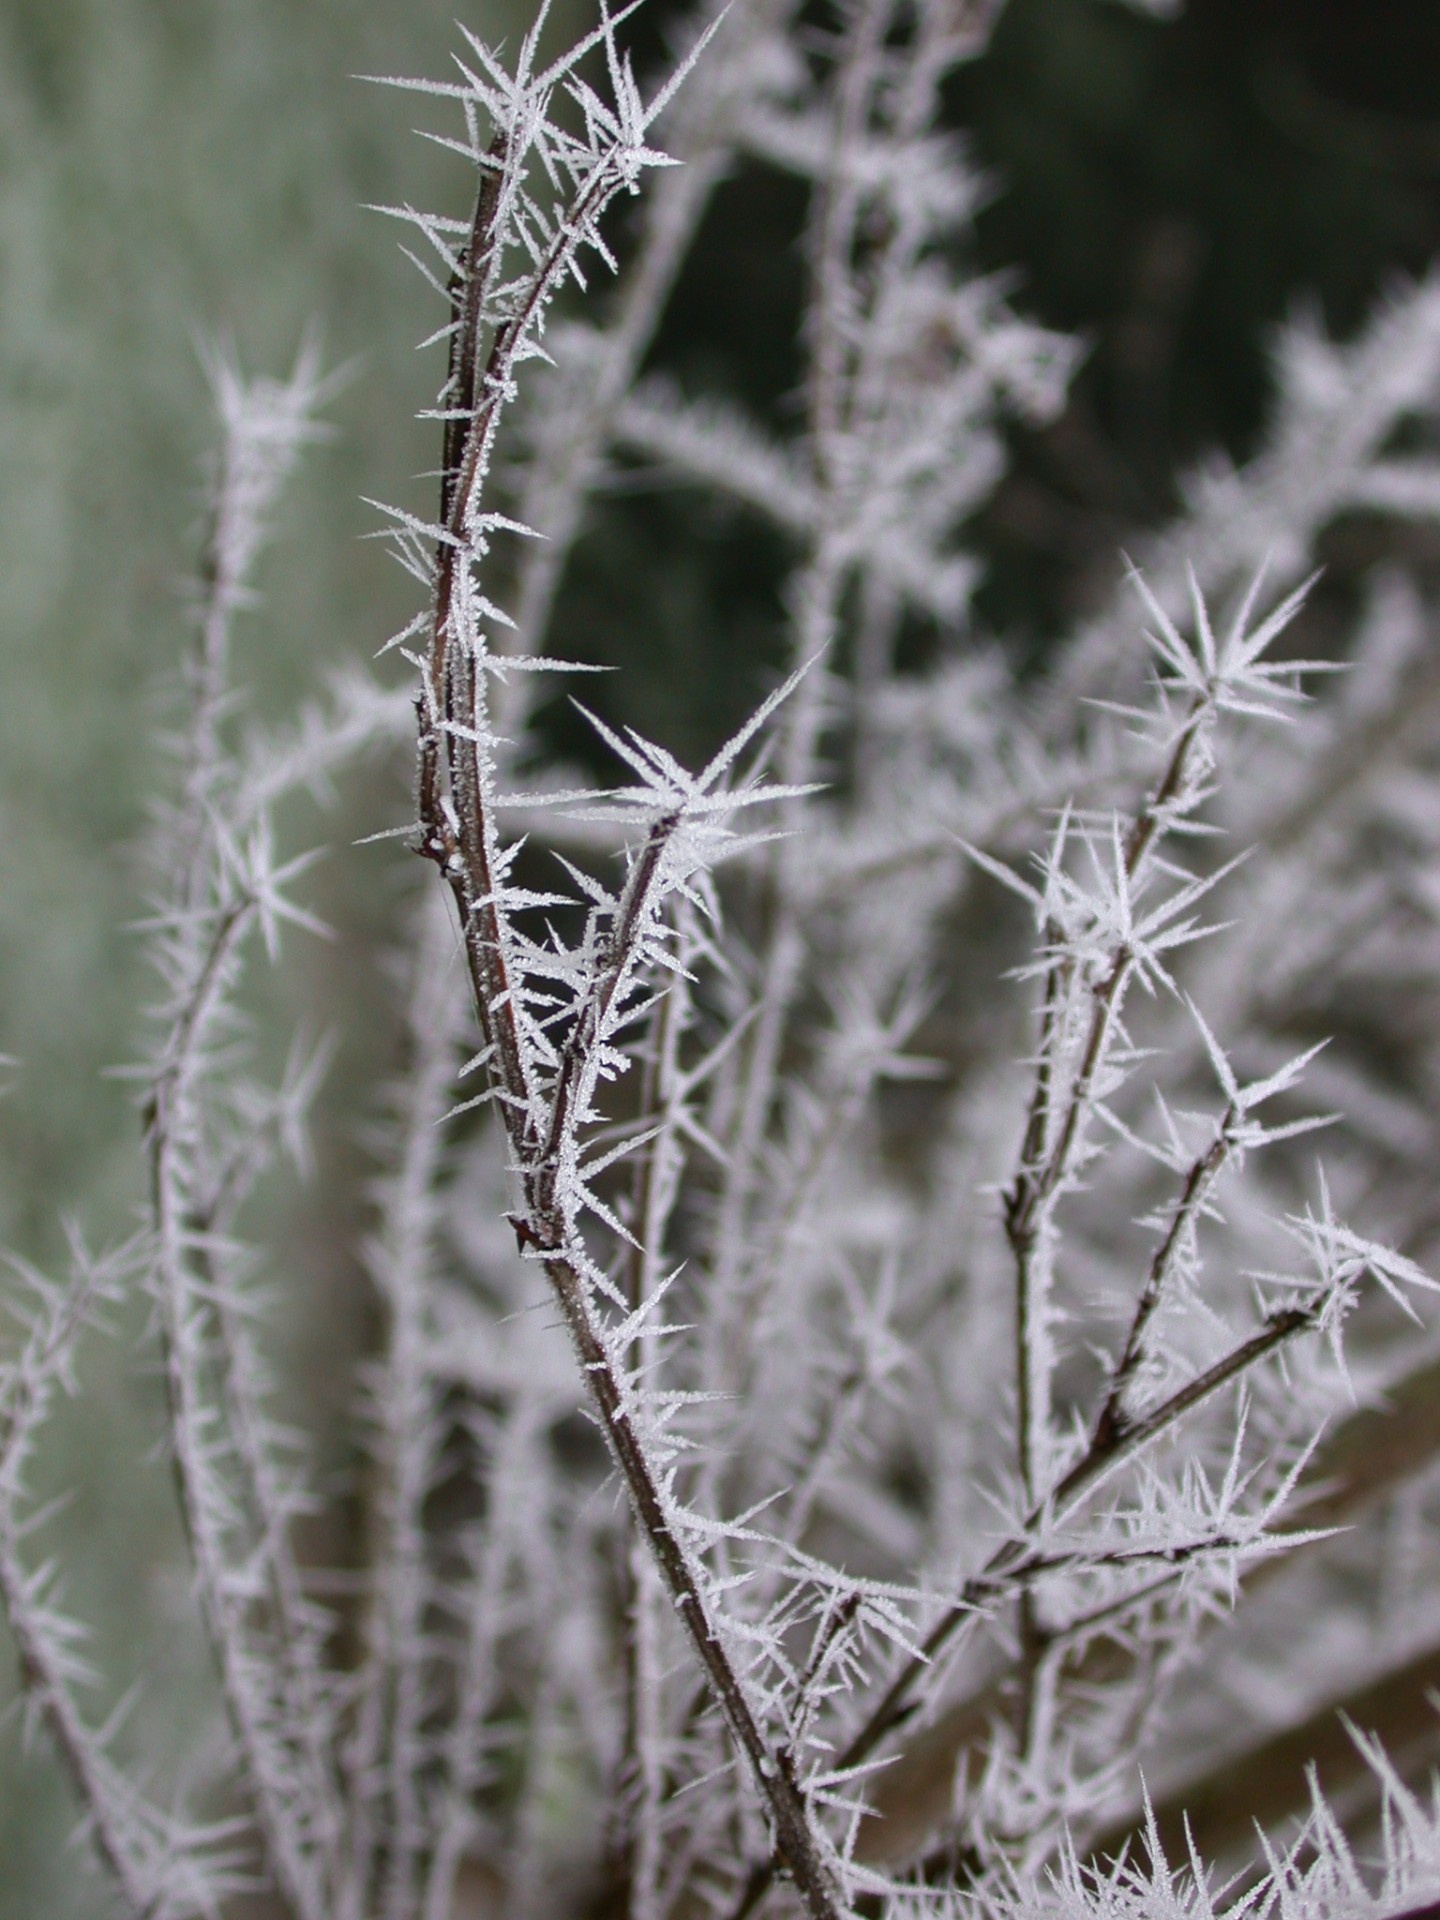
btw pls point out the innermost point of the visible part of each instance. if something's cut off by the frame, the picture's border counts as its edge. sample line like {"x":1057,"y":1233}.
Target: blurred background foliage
{"x":171,"y":172}
{"x":177,"y":170}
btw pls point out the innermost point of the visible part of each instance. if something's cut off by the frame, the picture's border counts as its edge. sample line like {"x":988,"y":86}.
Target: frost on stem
{"x":162,"y":1862}
{"x":947,"y":1401}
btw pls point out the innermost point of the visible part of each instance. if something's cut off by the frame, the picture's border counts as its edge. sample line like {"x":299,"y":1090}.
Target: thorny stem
{"x":636,"y":1843}
{"x":298,"y":1630}
{"x":1360,"y":1465}
{"x":545,"y":1230}
{"x":943,"y":1863}
{"x":170,"y":1120}
{"x":1049,"y":1145}
{"x":1015,"y":1565}
{"x":40,"y":1675}
{"x":1112,"y":1422}
{"x":459,"y":834}
{"x":1047,"y":1155}
{"x":95,"y":1791}
{"x":1200,"y":1180}
{"x":1153,"y":818}
{"x":1018,"y":1205}
{"x":1011,"y":1564}
{"x":773,"y":1772}
{"x":235,"y":1515}
{"x":298,"y":1634}
{"x":467,"y":291}
{"x":577,"y":1059}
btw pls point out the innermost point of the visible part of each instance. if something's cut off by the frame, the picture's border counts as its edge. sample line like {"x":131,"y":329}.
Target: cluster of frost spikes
{"x":940,"y":1453}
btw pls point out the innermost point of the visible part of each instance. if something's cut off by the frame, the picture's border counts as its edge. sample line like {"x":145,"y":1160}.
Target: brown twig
{"x":458,"y":833}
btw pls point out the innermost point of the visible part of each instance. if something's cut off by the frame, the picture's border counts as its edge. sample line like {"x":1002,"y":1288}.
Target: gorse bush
{"x":850,"y":1435}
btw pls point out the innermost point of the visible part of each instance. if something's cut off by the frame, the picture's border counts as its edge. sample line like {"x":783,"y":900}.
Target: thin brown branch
{"x":1199,"y":1183}
{"x":1363,"y":1461}
{"x":459,"y":834}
